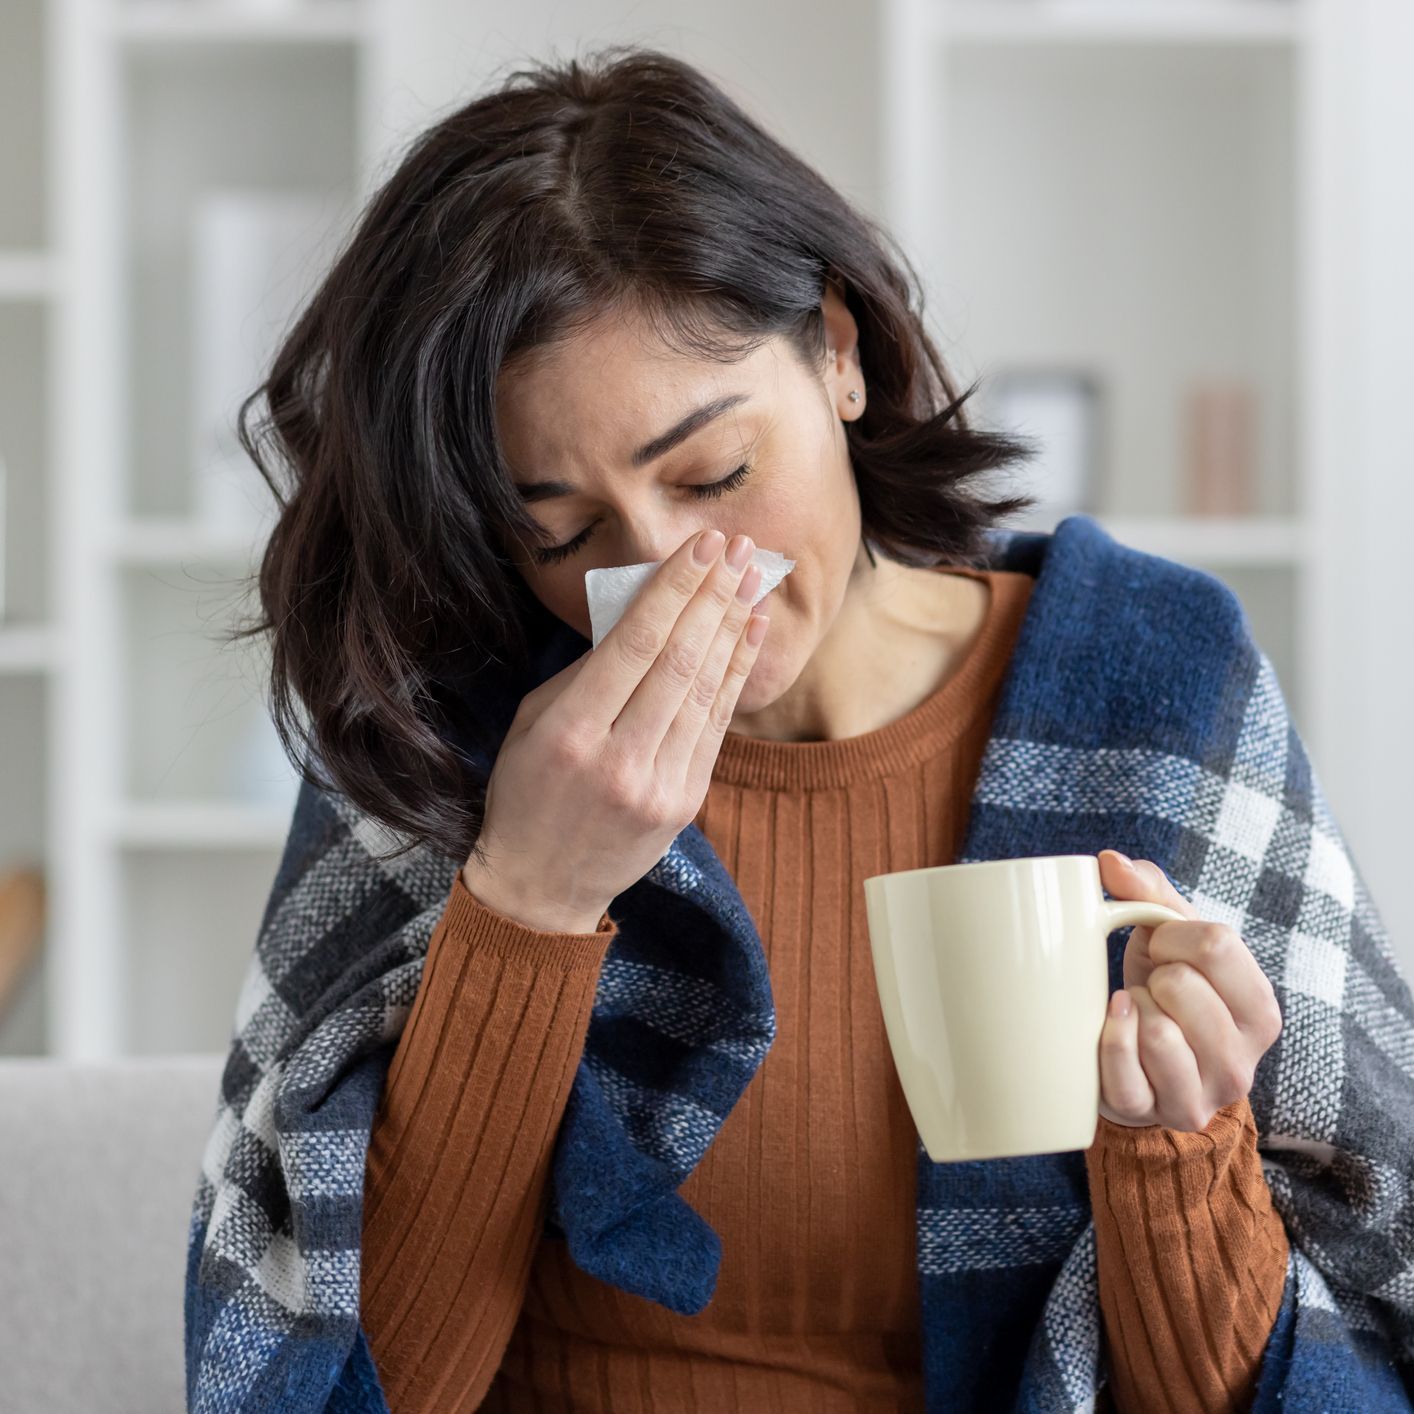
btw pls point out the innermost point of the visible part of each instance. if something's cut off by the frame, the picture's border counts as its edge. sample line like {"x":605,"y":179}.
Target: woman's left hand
{"x":1202,"y":1012}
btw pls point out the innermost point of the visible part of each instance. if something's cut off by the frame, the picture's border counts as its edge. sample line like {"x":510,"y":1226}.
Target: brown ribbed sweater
{"x":810,"y":1182}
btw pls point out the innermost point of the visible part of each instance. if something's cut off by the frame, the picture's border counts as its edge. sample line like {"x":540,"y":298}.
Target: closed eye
{"x":710,"y":490}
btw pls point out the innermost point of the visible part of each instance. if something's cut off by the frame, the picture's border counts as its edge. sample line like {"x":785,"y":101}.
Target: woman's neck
{"x":900,"y":633}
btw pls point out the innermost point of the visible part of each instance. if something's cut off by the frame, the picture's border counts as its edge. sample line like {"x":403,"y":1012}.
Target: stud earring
{"x":854,"y":395}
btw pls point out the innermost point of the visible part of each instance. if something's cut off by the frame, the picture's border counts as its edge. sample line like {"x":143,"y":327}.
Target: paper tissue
{"x":611,"y":590}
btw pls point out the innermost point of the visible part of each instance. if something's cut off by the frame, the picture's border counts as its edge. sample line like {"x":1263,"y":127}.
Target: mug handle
{"x":1120,"y":913}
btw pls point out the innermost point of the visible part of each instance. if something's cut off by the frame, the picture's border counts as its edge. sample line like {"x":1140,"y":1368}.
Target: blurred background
{"x":1172,"y":237}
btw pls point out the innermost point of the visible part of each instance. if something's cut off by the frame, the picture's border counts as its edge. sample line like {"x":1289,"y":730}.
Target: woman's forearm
{"x":1192,"y":1258}
{"x":459,"y":1155}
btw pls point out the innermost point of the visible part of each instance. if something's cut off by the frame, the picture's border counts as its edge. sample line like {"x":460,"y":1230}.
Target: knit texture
{"x":1137,"y":712}
{"x":810,"y":1180}
{"x":1192,"y":1258}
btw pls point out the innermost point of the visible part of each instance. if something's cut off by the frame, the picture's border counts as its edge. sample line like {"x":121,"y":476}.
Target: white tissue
{"x":610,"y":591}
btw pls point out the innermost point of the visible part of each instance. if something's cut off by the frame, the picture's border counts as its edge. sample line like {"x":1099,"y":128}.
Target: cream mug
{"x":994,"y":982}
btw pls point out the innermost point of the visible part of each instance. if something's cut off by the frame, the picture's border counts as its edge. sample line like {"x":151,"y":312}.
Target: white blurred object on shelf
{"x":256,"y":256}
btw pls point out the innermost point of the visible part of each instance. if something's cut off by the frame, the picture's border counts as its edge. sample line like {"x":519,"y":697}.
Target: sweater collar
{"x":902,"y":744}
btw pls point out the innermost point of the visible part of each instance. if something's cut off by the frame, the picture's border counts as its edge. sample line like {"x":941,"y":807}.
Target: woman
{"x":598,"y":317}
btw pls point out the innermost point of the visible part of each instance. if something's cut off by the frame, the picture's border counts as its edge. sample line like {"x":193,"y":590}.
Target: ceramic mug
{"x":994,"y":982}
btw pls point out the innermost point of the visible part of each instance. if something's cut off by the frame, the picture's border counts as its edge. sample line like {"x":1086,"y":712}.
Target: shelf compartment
{"x":219,"y":118}
{"x":190,"y":921}
{"x":1130,"y":221}
{"x":195,"y":723}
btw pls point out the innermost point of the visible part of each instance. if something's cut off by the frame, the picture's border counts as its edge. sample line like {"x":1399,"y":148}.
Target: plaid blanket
{"x":1137,"y":712}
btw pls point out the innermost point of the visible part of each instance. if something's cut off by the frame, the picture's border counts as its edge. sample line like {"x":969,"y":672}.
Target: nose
{"x":659,"y":545}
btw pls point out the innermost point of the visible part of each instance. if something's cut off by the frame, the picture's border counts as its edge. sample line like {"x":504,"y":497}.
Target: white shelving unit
{"x":33,"y":643}
{"x":1151,"y":191}
{"x":1021,"y":138}
{"x":157,"y":852}
{"x":1080,"y":136}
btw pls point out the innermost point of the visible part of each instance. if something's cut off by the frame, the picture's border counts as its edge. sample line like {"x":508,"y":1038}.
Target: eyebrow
{"x":698,"y":418}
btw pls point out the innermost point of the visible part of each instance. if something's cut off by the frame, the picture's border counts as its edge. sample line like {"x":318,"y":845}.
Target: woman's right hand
{"x":608,"y":760}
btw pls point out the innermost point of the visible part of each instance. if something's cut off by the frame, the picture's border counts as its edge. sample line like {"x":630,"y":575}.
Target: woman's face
{"x":587,"y":413}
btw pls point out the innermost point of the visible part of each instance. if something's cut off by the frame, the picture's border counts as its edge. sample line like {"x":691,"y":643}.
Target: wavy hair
{"x":627,"y":178}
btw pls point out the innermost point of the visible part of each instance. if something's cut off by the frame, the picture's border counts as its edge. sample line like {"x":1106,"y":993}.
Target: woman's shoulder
{"x":1082,"y":557}
{"x":1090,"y":576}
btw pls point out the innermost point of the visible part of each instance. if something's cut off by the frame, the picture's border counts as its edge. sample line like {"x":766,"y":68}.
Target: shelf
{"x":1238,"y":541}
{"x":176,"y":540}
{"x":154,"y":23}
{"x":199,"y":825}
{"x":1152,"y":190}
{"x":190,"y":920}
{"x":27,"y":275}
{"x":27,"y":649}
{"x":1172,"y":221}
{"x":278,"y":122}
{"x":1119,"y":21}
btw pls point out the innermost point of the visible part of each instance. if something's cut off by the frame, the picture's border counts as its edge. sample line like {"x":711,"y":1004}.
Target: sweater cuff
{"x":1155,"y":1144}
{"x":477,"y":925}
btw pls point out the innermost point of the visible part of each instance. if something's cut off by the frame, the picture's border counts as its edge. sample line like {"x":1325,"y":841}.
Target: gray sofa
{"x":100,"y":1163}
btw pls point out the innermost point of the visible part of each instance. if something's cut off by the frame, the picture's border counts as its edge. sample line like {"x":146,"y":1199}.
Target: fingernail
{"x":1120,"y":1005}
{"x":1123,"y":859}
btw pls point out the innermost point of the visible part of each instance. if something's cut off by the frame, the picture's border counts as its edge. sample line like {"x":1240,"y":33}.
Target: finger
{"x":709,"y":743}
{"x":679,"y":744}
{"x":1223,"y":1055}
{"x":670,"y":684}
{"x":1222,"y":957}
{"x":1141,"y":879}
{"x":617,"y":666}
{"x":1170,"y":1064}
{"x":1137,"y":964}
{"x":1124,"y":1087}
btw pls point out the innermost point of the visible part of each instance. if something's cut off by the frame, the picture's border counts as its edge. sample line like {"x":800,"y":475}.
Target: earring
{"x":854,"y":395}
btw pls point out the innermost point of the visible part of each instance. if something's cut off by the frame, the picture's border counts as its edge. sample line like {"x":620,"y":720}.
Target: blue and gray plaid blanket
{"x":1137,"y":713}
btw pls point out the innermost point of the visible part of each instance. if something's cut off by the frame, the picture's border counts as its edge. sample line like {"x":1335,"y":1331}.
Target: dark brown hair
{"x":578,"y":187}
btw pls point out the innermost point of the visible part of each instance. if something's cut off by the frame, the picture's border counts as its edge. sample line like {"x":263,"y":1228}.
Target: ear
{"x":841,"y":331}
{"x":841,"y":372}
